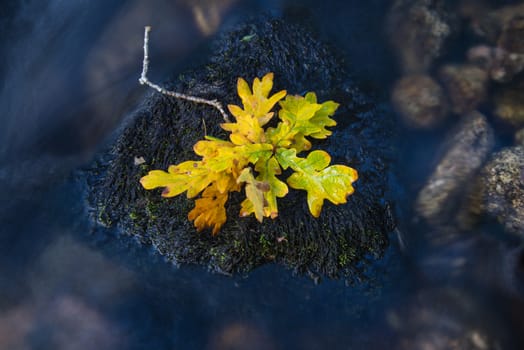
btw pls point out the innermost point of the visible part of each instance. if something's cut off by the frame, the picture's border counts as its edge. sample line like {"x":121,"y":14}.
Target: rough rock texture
{"x":466,"y":150}
{"x":420,"y":101}
{"x":502,"y":189}
{"x":164,"y":130}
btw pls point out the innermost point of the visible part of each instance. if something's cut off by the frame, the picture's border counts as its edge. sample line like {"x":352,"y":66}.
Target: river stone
{"x":163,"y":131}
{"x":465,"y":150}
{"x":418,"y":31}
{"x":466,"y":86}
{"x":501,"y":183}
{"x":420,"y":101}
{"x":509,"y":106}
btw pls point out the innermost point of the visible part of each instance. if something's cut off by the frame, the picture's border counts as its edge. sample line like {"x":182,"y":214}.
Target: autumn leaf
{"x":314,"y":175}
{"x":209,"y":210}
{"x":190,"y":176}
{"x":256,"y":112}
{"x":306,"y":116}
{"x":321,"y":118}
{"x":258,"y":103}
{"x":302,"y":117}
{"x":222,"y":156}
{"x":267,"y":171}
{"x":254,"y":158}
{"x":271,"y":188}
{"x":254,"y":192}
{"x":246,"y":129}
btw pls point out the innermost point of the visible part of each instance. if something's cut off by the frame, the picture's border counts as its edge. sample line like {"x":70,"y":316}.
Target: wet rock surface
{"x":163,"y":131}
{"x":465,"y":151}
{"x":501,"y":183}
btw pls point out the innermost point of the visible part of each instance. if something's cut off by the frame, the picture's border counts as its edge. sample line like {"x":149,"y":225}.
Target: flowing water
{"x":69,"y":75}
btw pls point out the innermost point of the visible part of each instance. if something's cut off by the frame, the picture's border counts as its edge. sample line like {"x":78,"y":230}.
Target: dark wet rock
{"x":420,"y":101}
{"x":465,"y":151}
{"x":465,"y":85}
{"x":501,"y":189}
{"x":418,"y":31}
{"x":502,"y":65}
{"x":164,"y":130}
{"x":447,"y":318}
{"x":509,"y":103}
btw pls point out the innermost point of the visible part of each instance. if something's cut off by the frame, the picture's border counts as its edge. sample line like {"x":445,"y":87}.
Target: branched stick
{"x":144,"y":80}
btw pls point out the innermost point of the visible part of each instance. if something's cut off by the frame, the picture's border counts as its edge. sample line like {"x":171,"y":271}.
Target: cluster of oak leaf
{"x":254,"y":157}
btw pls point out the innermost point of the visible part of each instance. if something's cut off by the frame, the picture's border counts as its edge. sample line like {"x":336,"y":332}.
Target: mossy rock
{"x":163,"y":131}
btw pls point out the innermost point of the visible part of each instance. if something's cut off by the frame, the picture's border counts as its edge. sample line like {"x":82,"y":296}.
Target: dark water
{"x":69,"y":75}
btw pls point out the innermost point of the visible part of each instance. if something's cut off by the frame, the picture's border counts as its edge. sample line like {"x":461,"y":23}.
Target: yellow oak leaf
{"x":246,"y":129}
{"x":255,"y":194}
{"x":223,"y":156}
{"x":209,"y":147}
{"x":190,"y":176}
{"x":257,"y":103}
{"x":267,"y":171}
{"x":209,"y":210}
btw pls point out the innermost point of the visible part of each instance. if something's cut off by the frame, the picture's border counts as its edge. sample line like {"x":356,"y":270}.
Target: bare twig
{"x":144,"y":80}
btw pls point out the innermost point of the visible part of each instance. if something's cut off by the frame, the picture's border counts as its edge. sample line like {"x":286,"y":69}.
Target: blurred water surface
{"x":69,"y":75}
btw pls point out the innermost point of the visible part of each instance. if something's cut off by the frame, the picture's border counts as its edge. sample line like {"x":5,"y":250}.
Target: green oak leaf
{"x":314,"y":175}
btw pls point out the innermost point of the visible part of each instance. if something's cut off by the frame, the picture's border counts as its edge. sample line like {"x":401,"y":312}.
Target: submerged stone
{"x":501,"y":187}
{"x":465,"y":85}
{"x":509,"y":106}
{"x":420,"y":101}
{"x":418,"y":31}
{"x":163,"y":131}
{"x":466,"y":149}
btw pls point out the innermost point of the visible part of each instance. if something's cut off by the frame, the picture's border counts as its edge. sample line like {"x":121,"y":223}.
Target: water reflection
{"x":71,"y":74}
{"x":69,"y":288}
